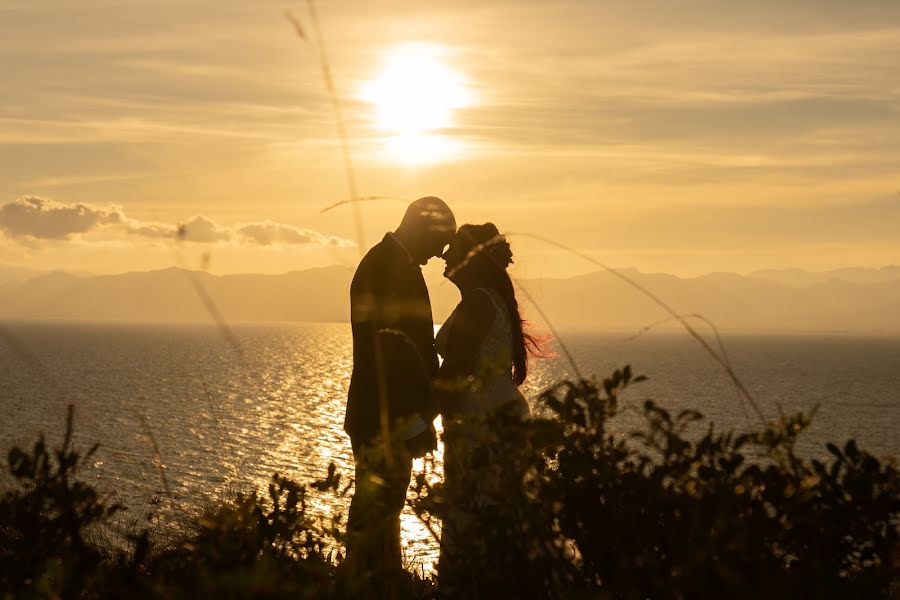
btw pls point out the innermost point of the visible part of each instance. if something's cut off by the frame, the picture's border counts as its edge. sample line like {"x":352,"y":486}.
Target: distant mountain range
{"x":801,"y":278}
{"x":842,"y":301}
{"x":731,"y":301}
{"x":9,"y":273}
{"x":172,"y":295}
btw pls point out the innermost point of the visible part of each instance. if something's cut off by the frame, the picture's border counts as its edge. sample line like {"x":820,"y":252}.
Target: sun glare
{"x":413,"y":98}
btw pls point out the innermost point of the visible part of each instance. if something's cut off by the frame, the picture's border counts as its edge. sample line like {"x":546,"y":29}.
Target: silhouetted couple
{"x":397,"y":388}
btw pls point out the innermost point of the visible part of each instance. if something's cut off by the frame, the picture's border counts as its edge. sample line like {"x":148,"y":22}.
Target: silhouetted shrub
{"x":561,"y":506}
{"x":558,"y":506}
{"x":245,"y":547}
{"x":252,"y":547}
{"x":45,"y":517}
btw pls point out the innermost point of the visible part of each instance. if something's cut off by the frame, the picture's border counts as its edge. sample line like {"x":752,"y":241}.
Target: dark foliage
{"x":554,"y":507}
{"x":563,"y":506}
{"x":44,"y":520}
{"x":247,"y":547}
{"x":250,"y":547}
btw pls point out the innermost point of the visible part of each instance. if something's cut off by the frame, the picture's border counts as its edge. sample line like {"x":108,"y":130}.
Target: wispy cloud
{"x":268,"y":233}
{"x":37,"y":218}
{"x":30,"y":220}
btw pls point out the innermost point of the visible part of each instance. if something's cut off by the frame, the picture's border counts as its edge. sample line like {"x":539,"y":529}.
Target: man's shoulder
{"x":384,"y":254}
{"x":380,"y":250}
{"x":379,"y":261}
{"x":376,"y":255}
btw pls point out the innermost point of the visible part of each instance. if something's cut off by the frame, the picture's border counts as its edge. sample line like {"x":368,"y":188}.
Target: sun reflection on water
{"x":226,"y":423}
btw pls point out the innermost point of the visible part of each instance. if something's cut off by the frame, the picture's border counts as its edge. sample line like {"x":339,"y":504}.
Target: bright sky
{"x":667,"y":135}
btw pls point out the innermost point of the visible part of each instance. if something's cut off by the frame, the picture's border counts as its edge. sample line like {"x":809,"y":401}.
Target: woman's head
{"x":477,"y":253}
{"x":477,"y":258}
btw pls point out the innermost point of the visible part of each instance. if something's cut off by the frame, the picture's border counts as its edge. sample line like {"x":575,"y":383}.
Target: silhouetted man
{"x":389,"y":410}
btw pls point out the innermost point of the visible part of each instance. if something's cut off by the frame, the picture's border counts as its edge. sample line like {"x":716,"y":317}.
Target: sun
{"x":413,"y":98}
{"x":416,"y":91}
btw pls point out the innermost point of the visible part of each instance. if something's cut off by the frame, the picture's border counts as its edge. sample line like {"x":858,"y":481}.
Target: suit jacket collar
{"x":391,"y":236}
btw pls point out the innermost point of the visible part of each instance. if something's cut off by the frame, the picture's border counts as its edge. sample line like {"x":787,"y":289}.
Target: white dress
{"x":494,"y":386}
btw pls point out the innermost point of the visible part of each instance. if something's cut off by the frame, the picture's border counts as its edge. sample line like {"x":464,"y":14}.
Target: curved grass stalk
{"x":362,"y":199}
{"x":723,"y":361}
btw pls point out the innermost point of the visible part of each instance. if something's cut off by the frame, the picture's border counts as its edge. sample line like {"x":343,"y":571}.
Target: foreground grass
{"x":555,"y":507}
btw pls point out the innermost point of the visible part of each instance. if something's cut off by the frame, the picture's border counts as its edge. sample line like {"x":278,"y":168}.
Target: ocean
{"x":226,"y":413}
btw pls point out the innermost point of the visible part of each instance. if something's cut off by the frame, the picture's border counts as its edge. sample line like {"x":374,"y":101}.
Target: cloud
{"x":200,"y":229}
{"x":31,"y":219}
{"x":152,"y":230}
{"x":35,"y":217}
{"x":267,"y":233}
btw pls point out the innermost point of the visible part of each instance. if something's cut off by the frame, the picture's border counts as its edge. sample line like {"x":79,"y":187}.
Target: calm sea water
{"x":225,"y":420}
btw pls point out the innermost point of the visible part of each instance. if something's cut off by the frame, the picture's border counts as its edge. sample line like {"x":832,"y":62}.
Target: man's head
{"x":426,"y":228}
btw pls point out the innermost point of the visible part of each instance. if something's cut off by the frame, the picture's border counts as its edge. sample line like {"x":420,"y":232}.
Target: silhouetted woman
{"x":484,"y":339}
{"x":485,"y":348}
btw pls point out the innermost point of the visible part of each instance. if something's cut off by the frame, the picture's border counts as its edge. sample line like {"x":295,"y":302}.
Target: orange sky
{"x":665,"y":135}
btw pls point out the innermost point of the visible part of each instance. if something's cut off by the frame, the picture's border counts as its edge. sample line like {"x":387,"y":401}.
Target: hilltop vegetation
{"x":563,"y":508}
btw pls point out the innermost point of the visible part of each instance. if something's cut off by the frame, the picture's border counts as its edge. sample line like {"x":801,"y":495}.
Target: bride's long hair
{"x":487,"y":256}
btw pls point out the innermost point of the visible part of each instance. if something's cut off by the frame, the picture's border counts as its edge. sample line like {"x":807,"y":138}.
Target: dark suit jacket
{"x":390,"y":314}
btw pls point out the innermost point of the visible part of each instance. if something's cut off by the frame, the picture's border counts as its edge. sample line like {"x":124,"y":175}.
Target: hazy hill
{"x":10,"y":273}
{"x":865,"y":301}
{"x":801,"y":278}
{"x":731,"y":301}
{"x":171,"y":295}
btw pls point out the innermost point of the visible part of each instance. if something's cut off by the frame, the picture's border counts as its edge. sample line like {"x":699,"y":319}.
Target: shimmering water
{"x":225,"y":420}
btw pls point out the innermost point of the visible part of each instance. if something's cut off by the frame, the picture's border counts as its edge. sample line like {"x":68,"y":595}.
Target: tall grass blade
{"x":157,"y":457}
{"x":721,"y":360}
